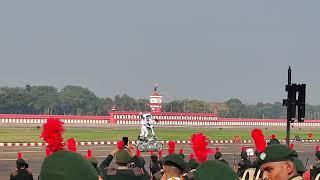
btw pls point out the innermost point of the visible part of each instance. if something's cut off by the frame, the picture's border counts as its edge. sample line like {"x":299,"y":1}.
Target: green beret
{"x":122,"y":156}
{"x":273,"y":141}
{"x":218,"y":155}
{"x":213,"y":169}
{"x":67,"y":165}
{"x":317,"y":154}
{"x":299,"y":165}
{"x":278,"y":152}
{"x":175,"y":160}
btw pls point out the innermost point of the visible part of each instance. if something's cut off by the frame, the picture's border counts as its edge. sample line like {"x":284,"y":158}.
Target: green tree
{"x":44,"y":99}
{"x":77,"y":100}
{"x":235,"y":108}
{"x":14,"y":100}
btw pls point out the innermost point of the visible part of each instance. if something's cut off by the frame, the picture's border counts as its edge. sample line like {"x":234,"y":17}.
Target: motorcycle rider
{"x":146,"y":123}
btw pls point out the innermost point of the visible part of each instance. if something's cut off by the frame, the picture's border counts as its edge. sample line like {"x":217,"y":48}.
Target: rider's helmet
{"x":147,"y":116}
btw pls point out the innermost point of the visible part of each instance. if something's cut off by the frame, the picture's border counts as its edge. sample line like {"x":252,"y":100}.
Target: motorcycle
{"x":149,"y":144}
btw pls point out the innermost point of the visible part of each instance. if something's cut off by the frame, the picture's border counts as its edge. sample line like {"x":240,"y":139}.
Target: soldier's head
{"x":174,"y":165}
{"x":20,"y":163}
{"x":278,"y":162}
{"x":244,"y":155}
{"x":122,"y":157}
{"x":137,"y":161}
{"x":218,"y":155}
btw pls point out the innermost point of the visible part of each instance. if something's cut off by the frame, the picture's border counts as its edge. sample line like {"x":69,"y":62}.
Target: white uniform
{"x":144,"y":129}
{"x":146,"y":123}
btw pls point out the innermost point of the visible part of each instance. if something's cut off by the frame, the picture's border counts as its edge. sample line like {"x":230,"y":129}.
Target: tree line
{"x":77,"y":100}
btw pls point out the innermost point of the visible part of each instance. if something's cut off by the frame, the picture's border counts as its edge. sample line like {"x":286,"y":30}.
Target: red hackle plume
{"x":52,"y":134}
{"x":181,"y":151}
{"x":19,"y":155}
{"x":120,"y":145}
{"x":199,"y":145}
{"x":71,"y":143}
{"x":217,"y":149}
{"x":291,"y":146}
{"x":138,"y":153}
{"x":89,"y":154}
{"x":151,"y":152}
{"x":160,"y":153}
{"x":172,"y":147}
{"x":273,"y":136}
{"x":317,"y":148}
{"x":191,"y":156}
{"x":259,"y":140}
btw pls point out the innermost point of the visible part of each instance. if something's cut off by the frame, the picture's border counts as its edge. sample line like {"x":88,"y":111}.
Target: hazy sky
{"x":209,"y":50}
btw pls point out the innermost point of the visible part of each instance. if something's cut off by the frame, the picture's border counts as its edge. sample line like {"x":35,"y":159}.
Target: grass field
{"x":94,"y":134}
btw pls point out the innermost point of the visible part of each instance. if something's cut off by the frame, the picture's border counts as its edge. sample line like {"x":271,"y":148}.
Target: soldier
{"x":137,"y":164}
{"x":218,"y":156}
{"x":173,"y":168}
{"x":315,"y":169}
{"x":154,"y":164}
{"x":244,"y":164}
{"x":22,"y":172}
{"x":278,"y":163}
{"x":212,"y":170}
{"x":122,"y":159}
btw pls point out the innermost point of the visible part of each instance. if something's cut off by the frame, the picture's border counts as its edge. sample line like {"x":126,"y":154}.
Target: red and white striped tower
{"x":155,"y":100}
